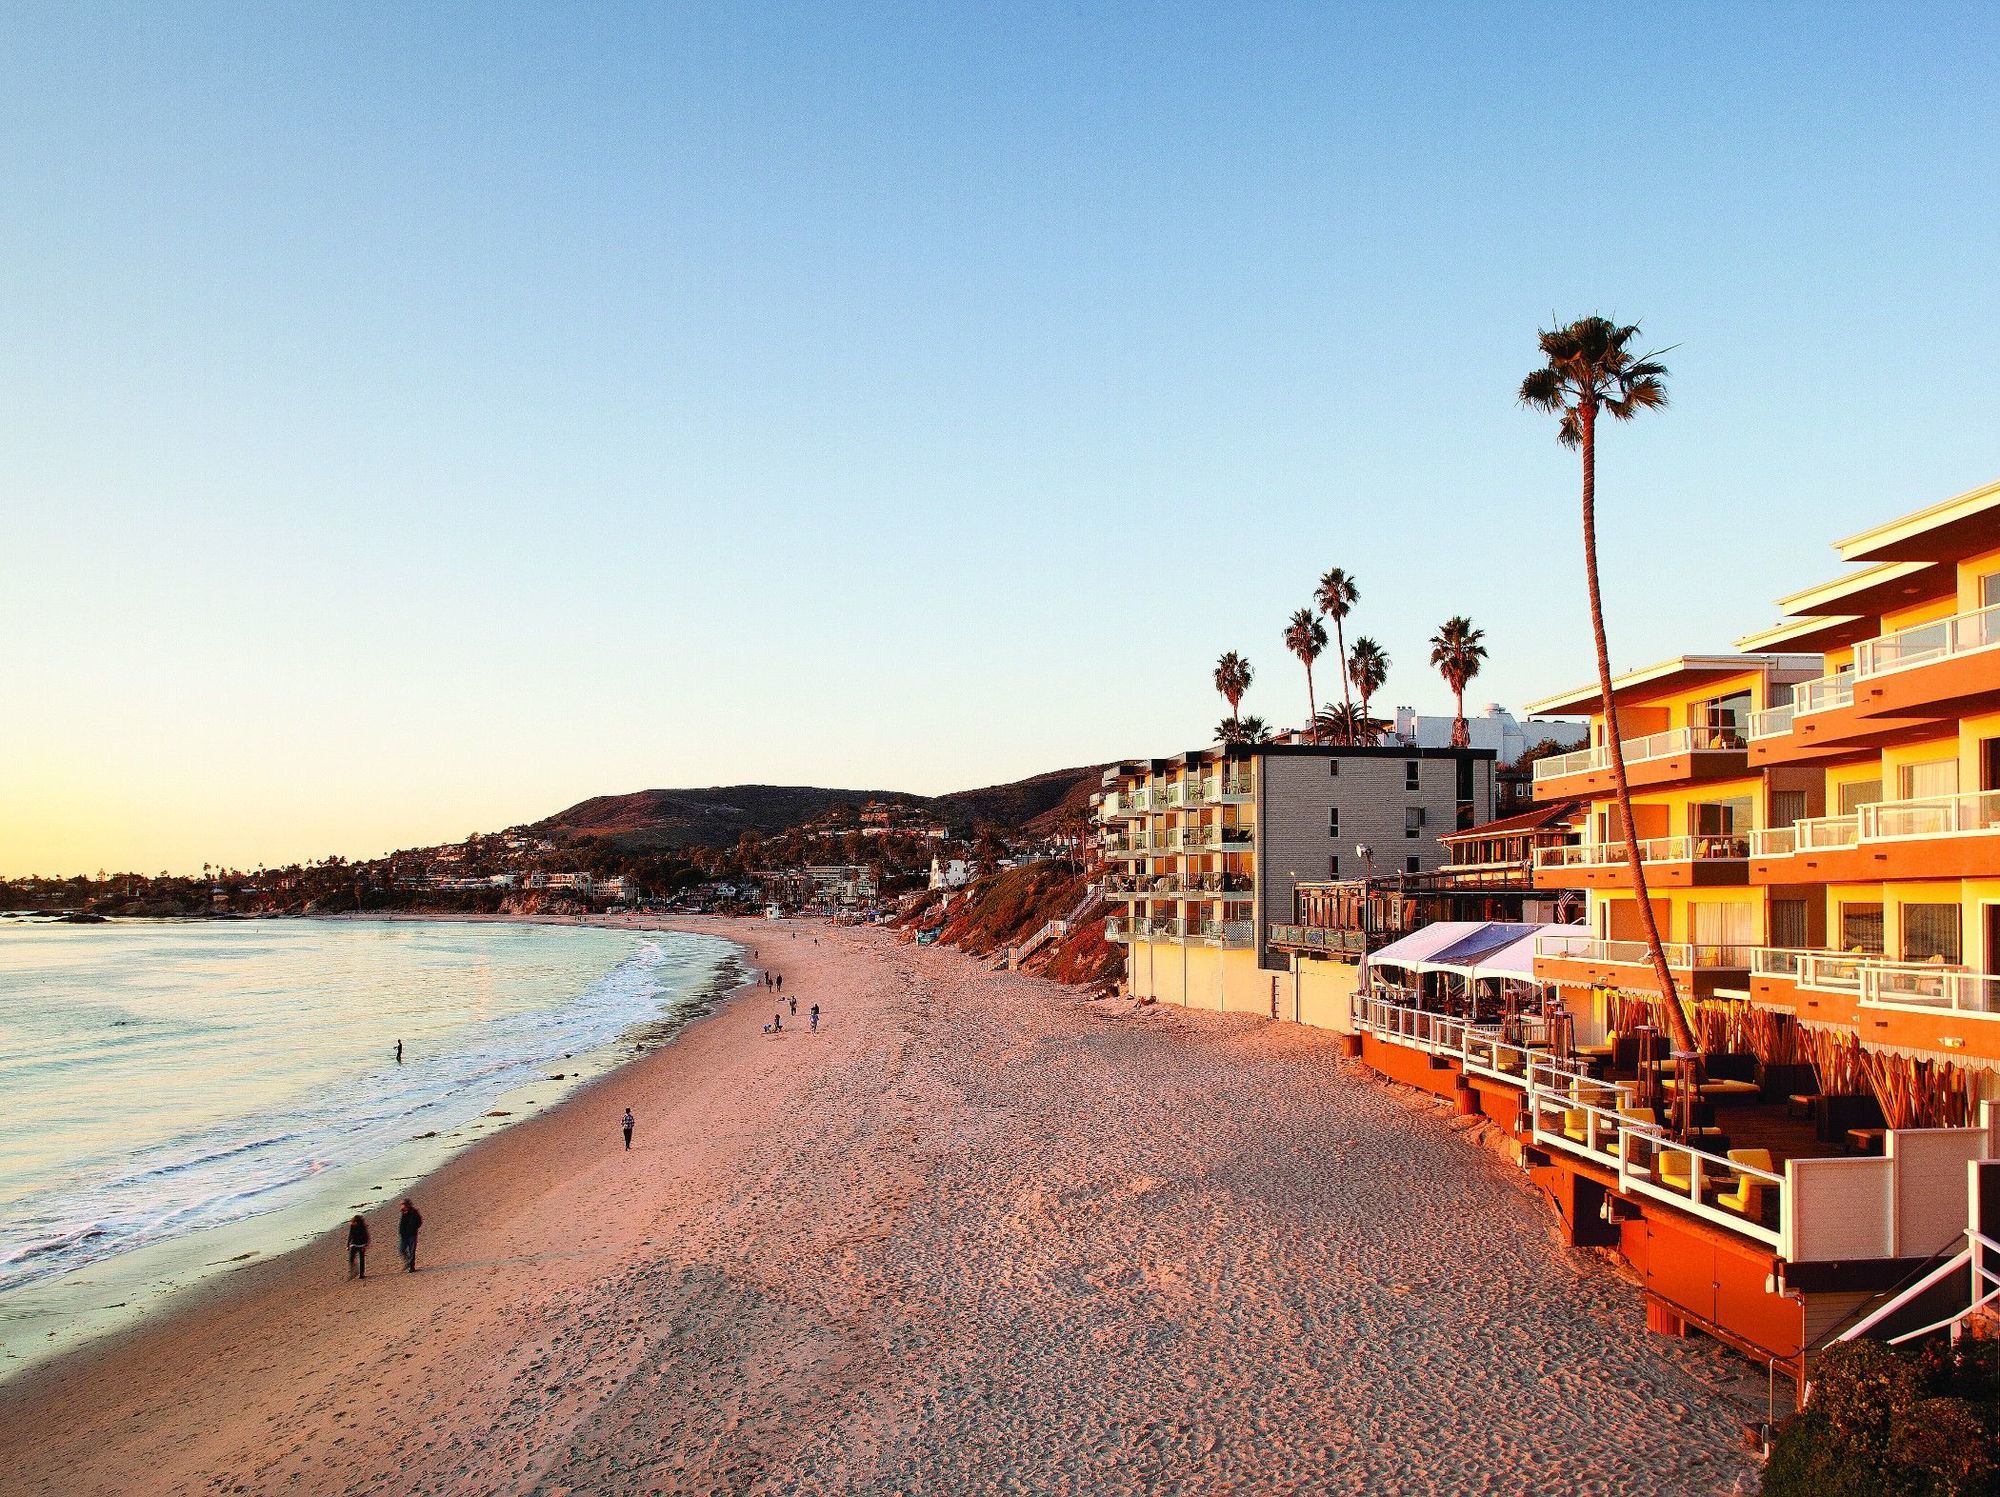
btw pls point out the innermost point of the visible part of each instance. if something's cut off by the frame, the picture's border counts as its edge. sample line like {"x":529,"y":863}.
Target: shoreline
{"x":980,"y":1232}
{"x":99,"y":1303}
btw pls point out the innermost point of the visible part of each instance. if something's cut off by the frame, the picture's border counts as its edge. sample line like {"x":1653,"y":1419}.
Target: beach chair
{"x":1643,"y":1116}
{"x":1747,"y":1197}
{"x":1576,"y":1125}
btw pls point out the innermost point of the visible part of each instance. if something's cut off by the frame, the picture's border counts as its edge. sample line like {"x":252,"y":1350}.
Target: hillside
{"x":652,"y":820}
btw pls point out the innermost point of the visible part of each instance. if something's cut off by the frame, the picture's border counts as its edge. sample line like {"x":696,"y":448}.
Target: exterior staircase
{"x":1080,"y":911}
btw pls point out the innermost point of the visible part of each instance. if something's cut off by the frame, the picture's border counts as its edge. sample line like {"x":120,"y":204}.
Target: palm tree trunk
{"x":1340,"y":644}
{"x":1458,"y":734}
{"x":1686,"y":1049}
{"x":1312,"y":707}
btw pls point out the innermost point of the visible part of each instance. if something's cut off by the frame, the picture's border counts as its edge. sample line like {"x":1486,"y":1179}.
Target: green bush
{"x":1883,"y":1423}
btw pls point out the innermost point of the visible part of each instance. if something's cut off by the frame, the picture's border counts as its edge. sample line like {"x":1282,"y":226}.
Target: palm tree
{"x":1457,"y":652}
{"x":1346,"y":723}
{"x":1589,"y":369}
{"x":1305,"y":637}
{"x":1336,"y":597}
{"x":1232,"y":679}
{"x":1253,"y":730}
{"x":1368,"y":669}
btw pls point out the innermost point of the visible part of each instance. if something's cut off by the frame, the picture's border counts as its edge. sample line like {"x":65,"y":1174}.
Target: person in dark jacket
{"x":357,"y":1248}
{"x":406,"y":1234}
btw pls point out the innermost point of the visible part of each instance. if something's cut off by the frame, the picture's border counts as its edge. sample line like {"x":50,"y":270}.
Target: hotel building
{"x":1205,"y":854}
{"x":1819,"y":823}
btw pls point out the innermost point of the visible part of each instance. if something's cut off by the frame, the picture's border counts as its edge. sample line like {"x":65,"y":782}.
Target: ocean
{"x":165,"y":1079}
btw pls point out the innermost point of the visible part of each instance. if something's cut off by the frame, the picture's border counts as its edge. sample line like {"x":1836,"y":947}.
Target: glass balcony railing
{"x":1931,"y":816}
{"x":1730,"y":847}
{"x":1823,"y":695}
{"x":1771,"y":722}
{"x":1920,"y":644}
{"x":1682,"y":956}
{"x":1666,"y":745}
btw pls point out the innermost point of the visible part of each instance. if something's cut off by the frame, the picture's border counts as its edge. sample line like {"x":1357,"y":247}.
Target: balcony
{"x":1589,"y":960}
{"x":1941,"y":640}
{"x":1657,"y":759}
{"x":1938,"y":836}
{"x":1876,"y":982}
{"x":1137,"y":845}
{"x":1350,"y":944}
{"x":1671,"y":862}
{"x":1118,"y":931}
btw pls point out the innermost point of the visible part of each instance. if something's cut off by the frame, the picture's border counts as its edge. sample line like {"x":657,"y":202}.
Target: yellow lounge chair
{"x":1641,"y":1115}
{"x":1747,"y":1199}
{"x":1675,"y":1168}
{"x":1576,"y":1124}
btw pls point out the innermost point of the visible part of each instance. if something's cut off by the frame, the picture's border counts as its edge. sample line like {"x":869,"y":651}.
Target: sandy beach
{"x":978,"y":1234}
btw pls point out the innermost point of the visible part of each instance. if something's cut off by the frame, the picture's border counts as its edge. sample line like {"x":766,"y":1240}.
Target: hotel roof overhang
{"x":1960,"y":526}
{"x":1816,"y":634}
{"x":1679,"y":673}
{"x":1873,"y":591}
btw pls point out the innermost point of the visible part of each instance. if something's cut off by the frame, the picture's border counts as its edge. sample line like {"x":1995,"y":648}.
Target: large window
{"x":1411,"y":770}
{"x":1333,"y":821}
{"x":1787,"y":806}
{"x":1923,"y":781}
{"x":1788,"y":924}
{"x":1413,"y":820}
{"x":1930,"y":933}
{"x":1718,"y":723}
{"x":1861,"y":928}
{"x":1856,"y":794}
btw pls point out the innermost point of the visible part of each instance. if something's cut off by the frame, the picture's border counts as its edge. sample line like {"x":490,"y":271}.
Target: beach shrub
{"x":1891,"y":1423}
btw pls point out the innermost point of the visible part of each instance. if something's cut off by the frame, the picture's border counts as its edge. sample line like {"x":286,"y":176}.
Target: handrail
{"x":1719,"y":739}
{"x":1691,"y":955}
{"x":1566,"y":1110}
{"x":1931,"y":816}
{"x":1771,"y":722}
{"x":1920,"y":644}
{"x":1827,"y":692}
{"x":1716,"y":848}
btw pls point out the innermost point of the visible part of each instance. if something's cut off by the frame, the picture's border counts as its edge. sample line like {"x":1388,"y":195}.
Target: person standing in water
{"x":626,"y":1126}
{"x":406,"y":1234}
{"x":399,"y":1052}
{"x":357,"y":1248}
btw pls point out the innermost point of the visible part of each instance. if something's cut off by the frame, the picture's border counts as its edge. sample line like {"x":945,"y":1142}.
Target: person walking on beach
{"x":357,"y":1248}
{"x":781,"y":982}
{"x":406,"y":1234}
{"x":814,"y":1025}
{"x":795,"y":1006}
{"x":626,"y":1125}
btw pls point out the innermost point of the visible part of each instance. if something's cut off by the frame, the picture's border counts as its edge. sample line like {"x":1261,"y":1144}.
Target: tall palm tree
{"x":1368,"y":669}
{"x":1305,"y":637}
{"x":1456,"y":651}
{"x":1336,"y":597}
{"x":1253,"y":729}
{"x":1232,"y":679}
{"x":1590,"y":369}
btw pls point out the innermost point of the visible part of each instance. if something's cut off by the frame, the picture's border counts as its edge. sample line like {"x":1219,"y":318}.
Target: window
{"x":1410,"y":770}
{"x":1787,"y":806}
{"x":1922,"y":781}
{"x":1861,"y":928}
{"x":1930,"y":933}
{"x":1333,"y":865}
{"x":1333,"y":768}
{"x":1788,"y":925}
{"x":1858,"y":793}
{"x":1410,"y":866}
{"x":1413,"y":820}
{"x":1333,"y":821}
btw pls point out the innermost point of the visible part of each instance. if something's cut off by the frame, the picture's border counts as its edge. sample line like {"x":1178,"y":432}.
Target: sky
{"x":417,"y":419}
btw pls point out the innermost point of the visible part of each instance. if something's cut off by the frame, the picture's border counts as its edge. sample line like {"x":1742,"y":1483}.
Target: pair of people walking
{"x":408,"y":1223}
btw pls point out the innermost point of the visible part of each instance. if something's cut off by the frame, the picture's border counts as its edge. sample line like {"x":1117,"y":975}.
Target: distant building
{"x":580,"y":883}
{"x":1495,"y":728}
{"x":950,"y":873}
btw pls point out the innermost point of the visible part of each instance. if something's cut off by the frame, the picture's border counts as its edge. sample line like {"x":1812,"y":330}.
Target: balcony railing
{"x":1808,"y":834}
{"x":1236,"y":838}
{"x":1236,"y":787}
{"x":1682,"y":956}
{"x":1771,"y":722}
{"x":1773,"y":842}
{"x":1932,"y":816}
{"x":1824,"y":694}
{"x":1724,"y":848}
{"x":1930,"y":985}
{"x":1319,"y":938}
{"x":1962,"y":634}
{"x":1572,"y":1112}
{"x":1118,"y":931}
{"x":1639,"y":750}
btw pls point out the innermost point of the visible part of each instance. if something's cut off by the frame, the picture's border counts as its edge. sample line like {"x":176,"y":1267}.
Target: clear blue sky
{"x":417,"y":419}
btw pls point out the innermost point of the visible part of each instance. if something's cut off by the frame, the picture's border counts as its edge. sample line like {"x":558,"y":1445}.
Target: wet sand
{"x":976,"y":1235}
